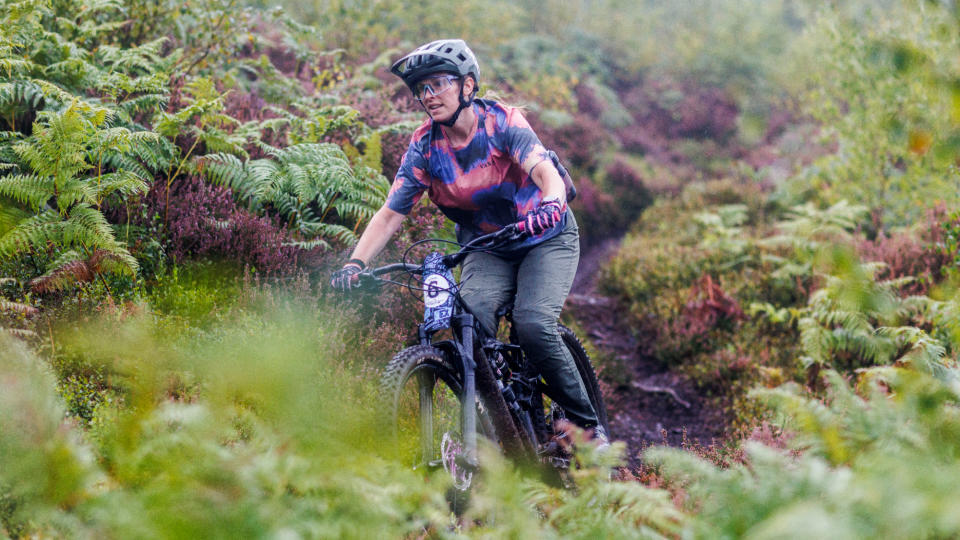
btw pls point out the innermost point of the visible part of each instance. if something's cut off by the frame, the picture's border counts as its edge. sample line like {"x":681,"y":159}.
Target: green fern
{"x":808,"y":229}
{"x":865,"y":322}
{"x":59,"y":191}
{"x":313,"y":188}
{"x":875,"y":465}
{"x":17,"y":99}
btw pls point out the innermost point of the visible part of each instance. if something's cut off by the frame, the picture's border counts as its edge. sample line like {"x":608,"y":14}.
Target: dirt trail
{"x":651,"y":405}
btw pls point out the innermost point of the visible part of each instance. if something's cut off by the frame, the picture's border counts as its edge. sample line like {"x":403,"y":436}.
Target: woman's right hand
{"x":347,"y":277}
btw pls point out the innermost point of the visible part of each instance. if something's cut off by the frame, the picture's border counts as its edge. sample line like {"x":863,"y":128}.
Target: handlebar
{"x":506,"y":234}
{"x":486,"y":241}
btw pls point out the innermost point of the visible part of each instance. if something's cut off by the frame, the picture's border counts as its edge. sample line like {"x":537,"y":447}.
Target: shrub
{"x":907,"y":256}
{"x":682,"y":110}
{"x":203,"y":220}
{"x":881,"y":92}
{"x":611,"y":204}
{"x":697,"y":326}
{"x":580,"y":144}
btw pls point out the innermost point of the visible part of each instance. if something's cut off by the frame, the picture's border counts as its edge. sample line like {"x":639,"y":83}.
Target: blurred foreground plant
{"x":883,"y":464}
{"x":260,"y":424}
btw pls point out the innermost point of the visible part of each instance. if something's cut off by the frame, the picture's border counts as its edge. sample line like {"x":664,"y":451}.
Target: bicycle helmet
{"x":440,"y":56}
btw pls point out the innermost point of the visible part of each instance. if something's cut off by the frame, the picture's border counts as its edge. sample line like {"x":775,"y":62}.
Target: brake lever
{"x":367,"y":282}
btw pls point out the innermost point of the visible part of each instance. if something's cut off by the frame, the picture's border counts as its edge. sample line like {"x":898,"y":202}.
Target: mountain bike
{"x":446,"y":392}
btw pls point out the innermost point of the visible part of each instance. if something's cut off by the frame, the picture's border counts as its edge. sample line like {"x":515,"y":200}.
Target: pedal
{"x":554,"y":454}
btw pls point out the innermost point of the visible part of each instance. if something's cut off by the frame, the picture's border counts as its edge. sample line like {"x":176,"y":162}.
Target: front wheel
{"x":424,"y":390}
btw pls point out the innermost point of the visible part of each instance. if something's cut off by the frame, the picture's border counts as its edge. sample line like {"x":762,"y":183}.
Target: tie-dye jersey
{"x":482,"y":186}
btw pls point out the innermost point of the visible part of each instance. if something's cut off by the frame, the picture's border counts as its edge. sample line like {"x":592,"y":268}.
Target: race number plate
{"x":438,"y":293}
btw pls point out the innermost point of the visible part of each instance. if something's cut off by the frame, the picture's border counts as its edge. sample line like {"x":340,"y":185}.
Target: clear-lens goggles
{"x":434,"y":85}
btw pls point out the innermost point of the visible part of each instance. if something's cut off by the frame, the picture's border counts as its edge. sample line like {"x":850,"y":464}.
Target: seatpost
{"x":465,"y":323}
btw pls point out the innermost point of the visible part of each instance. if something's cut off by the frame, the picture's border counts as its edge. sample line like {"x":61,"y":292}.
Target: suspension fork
{"x":479,"y":380}
{"x":463,"y":325}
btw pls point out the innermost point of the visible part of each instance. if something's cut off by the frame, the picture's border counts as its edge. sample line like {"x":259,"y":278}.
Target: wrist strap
{"x":556,"y":201}
{"x":357,"y":262}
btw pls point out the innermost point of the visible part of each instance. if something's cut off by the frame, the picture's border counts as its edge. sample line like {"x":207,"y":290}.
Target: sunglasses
{"x":434,"y":85}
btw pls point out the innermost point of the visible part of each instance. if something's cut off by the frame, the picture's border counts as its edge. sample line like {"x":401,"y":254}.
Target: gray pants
{"x":538,"y":283}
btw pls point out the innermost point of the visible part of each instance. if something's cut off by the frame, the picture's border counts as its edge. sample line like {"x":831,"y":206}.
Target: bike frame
{"x":466,"y":333}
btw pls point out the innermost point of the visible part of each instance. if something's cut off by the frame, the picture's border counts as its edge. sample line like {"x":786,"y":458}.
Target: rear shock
{"x":504,"y":376}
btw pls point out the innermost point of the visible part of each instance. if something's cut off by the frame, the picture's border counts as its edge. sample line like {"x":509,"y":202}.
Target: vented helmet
{"x":441,"y":56}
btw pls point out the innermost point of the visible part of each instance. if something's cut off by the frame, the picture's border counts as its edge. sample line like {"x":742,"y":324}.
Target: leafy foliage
{"x":304,"y":184}
{"x":880,"y":465}
{"x":880,"y":91}
{"x":54,"y":186}
{"x":259,"y":423}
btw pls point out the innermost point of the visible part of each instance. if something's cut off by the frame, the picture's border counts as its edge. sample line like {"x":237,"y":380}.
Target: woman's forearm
{"x":546,"y":177}
{"x":383,"y":225}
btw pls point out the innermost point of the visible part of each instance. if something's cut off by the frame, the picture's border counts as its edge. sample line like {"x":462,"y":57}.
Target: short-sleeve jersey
{"x":482,"y":186}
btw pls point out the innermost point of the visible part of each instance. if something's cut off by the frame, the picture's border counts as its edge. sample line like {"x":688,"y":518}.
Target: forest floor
{"x":648,"y":404}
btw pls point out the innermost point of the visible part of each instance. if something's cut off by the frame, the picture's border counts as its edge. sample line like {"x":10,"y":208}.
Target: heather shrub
{"x":682,"y":110}
{"x":645,"y":267}
{"x":580,"y":144}
{"x":728,"y":191}
{"x":918,"y":255}
{"x":203,"y":220}
{"x":706,"y":230}
{"x":611,"y":203}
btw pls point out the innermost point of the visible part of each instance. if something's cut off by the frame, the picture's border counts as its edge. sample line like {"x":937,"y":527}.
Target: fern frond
{"x":57,"y":148}
{"x":222,"y":141}
{"x":124,"y":161}
{"x":868,"y":347}
{"x":85,"y":226}
{"x":133,"y":60}
{"x":155,"y":153}
{"x":222,"y":169}
{"x":75,"y":191}
{"x":11,"y":215}
{"x":52,"y":91}
{"x":308,"y":245}
{"x":146,"y":103}
{"x":21,"y":333}
{"x":17,"y":307}
{"x":311,"y":186}
{"x":18,"y":98}
{"x":34,"y":231}
{"x":13,"y":67}
{"x":815,"y":339}
{"x":29,"y":190}
{"x":925,"y":353}
{"x":67,"y":269}
{"x":123,"y":182}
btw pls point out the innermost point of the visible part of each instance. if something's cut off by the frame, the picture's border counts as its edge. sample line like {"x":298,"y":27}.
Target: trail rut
{"x":647,"y":403}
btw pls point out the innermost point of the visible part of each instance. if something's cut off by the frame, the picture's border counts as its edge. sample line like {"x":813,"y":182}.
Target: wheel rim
{"x":450,"y":448}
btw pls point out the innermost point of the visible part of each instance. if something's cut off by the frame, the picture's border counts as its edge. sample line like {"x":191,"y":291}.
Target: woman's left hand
{"x":545,"y":217}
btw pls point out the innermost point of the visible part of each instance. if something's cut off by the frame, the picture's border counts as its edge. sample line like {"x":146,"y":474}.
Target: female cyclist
{"x":485,"y":168}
